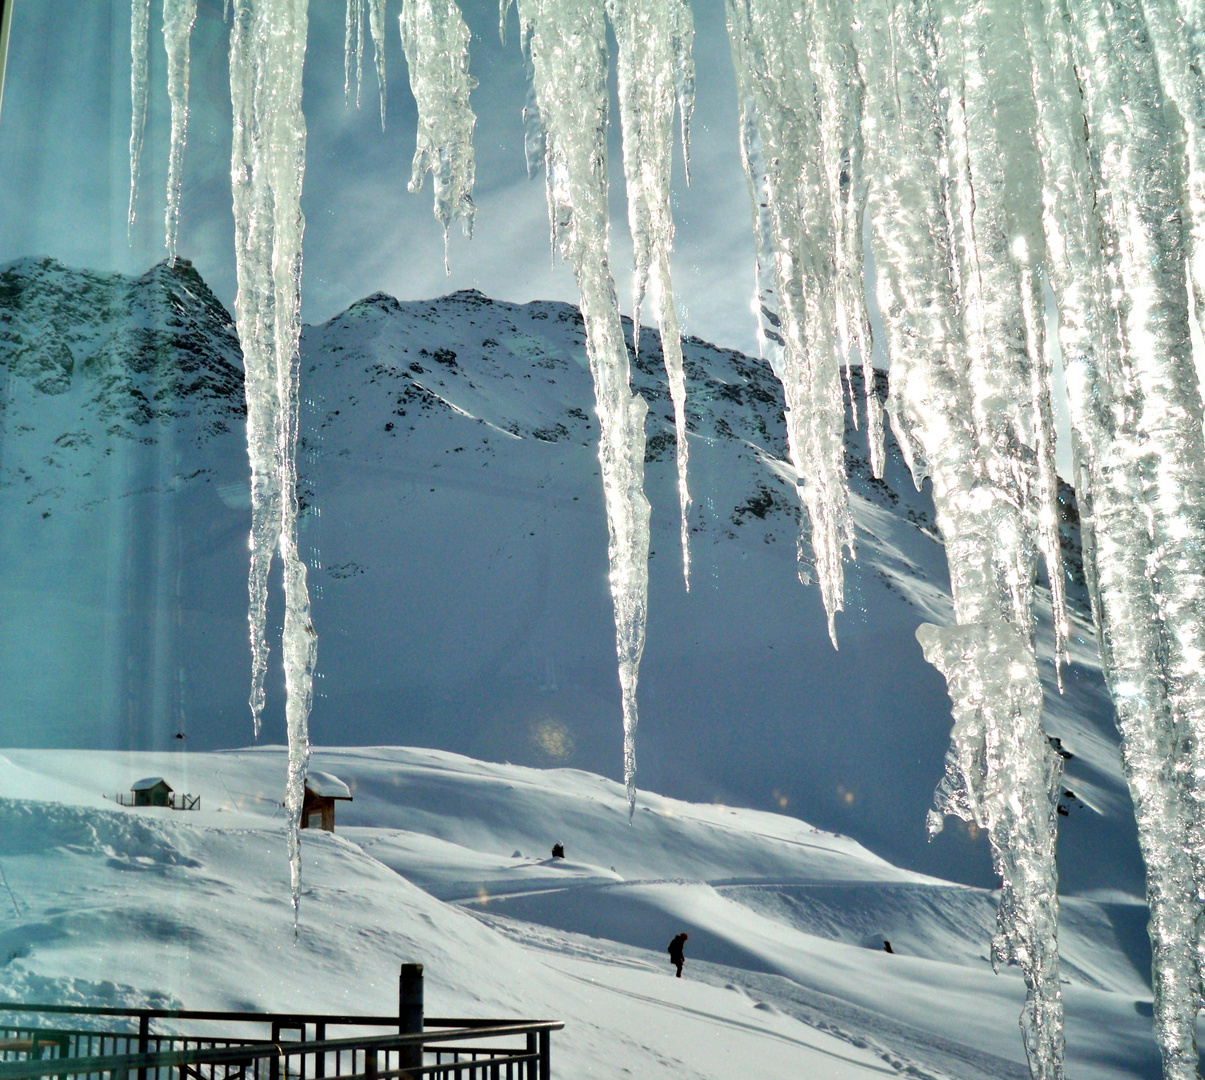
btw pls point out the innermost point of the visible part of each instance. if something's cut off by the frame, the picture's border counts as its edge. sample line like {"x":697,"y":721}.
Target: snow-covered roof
{"x":149,"y":782}
{"x":326,"y":785}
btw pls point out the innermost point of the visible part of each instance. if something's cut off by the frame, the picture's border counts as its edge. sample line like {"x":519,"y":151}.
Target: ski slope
{"x":443,"y":859}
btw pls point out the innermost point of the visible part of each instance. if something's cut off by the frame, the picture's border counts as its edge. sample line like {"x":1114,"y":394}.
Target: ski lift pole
{"x":6,"y":19}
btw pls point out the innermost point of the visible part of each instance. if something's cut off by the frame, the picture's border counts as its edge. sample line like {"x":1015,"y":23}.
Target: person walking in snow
{"x":675,"y":952}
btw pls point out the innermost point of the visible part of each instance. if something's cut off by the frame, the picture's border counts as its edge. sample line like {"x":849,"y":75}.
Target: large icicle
{"x":1000,"y":769}
{"x":1000,"y":750}
{"x":178,"y":19}
{"x":267,"y":54}
{"x":998,"y":245}
{"x":782,"y":151}
{"x":567,"y":43}
{"x":1118,"y":251}
{"x":140,"y":23}
{"x":435,"y":40}
{"x":655,"y":71}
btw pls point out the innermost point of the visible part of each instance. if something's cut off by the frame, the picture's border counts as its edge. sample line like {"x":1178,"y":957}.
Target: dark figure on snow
{"x":675,"y":952}
{"x":558,"y":851}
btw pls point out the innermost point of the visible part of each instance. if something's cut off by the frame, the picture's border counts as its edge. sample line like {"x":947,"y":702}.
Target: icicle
{"x":178,"y":19}
{"x":655,"y":70}
{"x":267,"y":54}
{"x":998,"y":751}
{"x":352,"y":28}
{"x":568,"y":50}
{"x":140,"y":21}
{"x":435,"y":40}
{"x":1115,"y":230}
{"x":376,"y":27}
{"x":929,"y":259}
{"x":1178,"y":39}
{"x":999,"y":248}
{"x":353,"y":48}
{"x":834,"y":64}
{"x":782,"y":150}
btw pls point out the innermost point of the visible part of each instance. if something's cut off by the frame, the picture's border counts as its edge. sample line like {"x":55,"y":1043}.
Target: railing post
{"x":410,"y":1014}
{"x":144,"y":1028}
{"x":529,"y":1067}
{"x":545,"y":1055}
{"x":274,"y":1062}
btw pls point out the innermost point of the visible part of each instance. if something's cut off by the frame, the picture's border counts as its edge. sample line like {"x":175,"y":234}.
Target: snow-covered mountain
{"x":456,"y":536}
{"x":444,"y":859}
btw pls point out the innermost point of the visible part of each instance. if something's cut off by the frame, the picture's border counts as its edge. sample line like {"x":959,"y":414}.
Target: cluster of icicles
{"x":992,"y":152}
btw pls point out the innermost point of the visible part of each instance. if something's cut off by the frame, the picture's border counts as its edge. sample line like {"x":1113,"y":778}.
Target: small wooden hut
{"x":152,"y":791}
{"x":322,"y":791}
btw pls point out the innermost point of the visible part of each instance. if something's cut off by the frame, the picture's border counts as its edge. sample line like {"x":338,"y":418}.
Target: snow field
{"x":785,"y":968}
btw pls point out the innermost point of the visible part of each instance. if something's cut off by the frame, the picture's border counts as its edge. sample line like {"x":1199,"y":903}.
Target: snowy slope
{"x":442,"y":858}
{"x":456,"y":536}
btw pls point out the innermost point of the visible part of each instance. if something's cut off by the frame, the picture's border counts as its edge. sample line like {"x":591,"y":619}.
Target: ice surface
{"x":656,"y":72}
{"x":267,"y":53}
{"x":783,"y":150}
{"x":140,"y":20}
{"x":567,"y":43}
{"x":178,"y":19}
{"x":436,"y":43}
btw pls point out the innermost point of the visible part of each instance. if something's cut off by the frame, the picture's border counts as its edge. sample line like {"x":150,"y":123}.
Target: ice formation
{"x":353,"y":47}
{"x":267,"y":52}
{"x":567,"y":45}
{"x":1120,"y":251}
{"x":783,"y":147}
{"x":991,"y":150}
{"x":178,"y":19}
{"x":435,"y":40}
{"x":655,"y":73}
{"x":140,"y":24}
{"x":941,"y":249}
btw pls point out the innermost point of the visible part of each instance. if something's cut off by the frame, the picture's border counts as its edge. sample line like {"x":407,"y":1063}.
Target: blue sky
{"x":64,"y":159}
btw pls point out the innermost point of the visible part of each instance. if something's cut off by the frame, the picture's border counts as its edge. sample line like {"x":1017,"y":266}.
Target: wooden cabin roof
{"x":149,"y":782}
{"x":327,"y":786}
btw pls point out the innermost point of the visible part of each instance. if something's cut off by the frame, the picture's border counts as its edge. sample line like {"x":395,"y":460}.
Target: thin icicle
{"x":178,"y":19}
{"x":435,"y":40}
{"x":655,"y":71}
{"x":140,"y":22}
{"x":353,"y":49}
{"x":567,"y":43}
{"x":839,"y":83}
{"x":782,"y":148}
{"x":353,"y":29}
{"x":376,"y":27}
{"x":267,"y":55}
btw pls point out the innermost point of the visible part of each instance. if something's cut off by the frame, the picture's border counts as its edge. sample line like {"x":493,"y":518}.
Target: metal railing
{"x":267,"y":1046}
{"x":174,"y":801}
